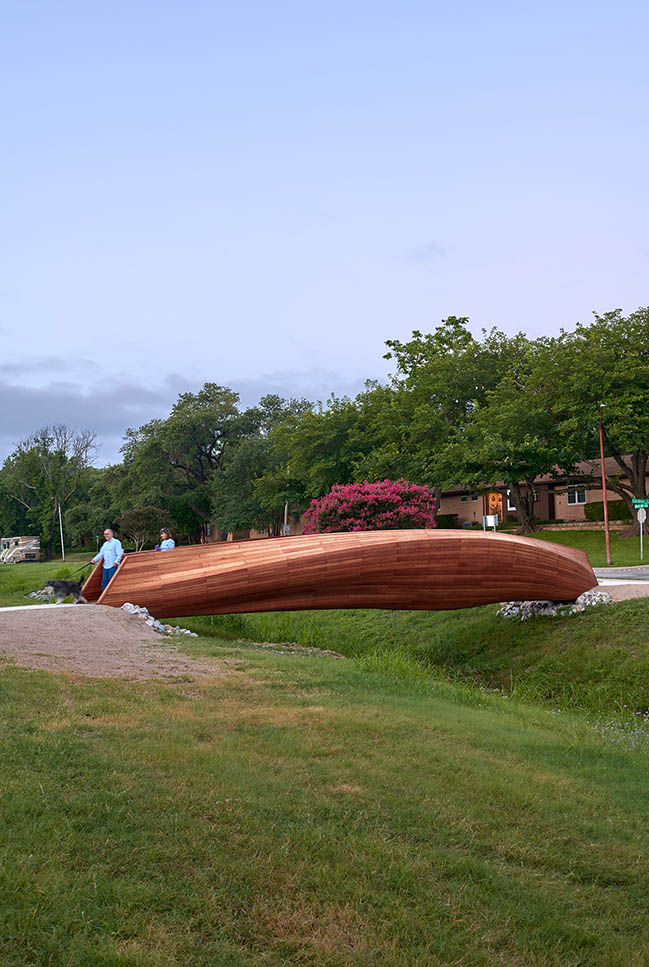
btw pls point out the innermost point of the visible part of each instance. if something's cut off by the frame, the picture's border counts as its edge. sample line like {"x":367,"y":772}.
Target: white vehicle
{"x":16,"y":549}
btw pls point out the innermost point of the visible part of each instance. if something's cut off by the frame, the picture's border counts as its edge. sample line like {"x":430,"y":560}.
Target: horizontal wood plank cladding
{"x":405,"y":570}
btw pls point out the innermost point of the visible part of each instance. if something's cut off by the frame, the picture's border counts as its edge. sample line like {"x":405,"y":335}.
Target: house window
{"x":464,"y":499}
{"x":577,"y":495}
{"x":474,"y":498}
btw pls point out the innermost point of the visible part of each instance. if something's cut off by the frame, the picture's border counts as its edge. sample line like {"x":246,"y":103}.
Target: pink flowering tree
{"x":384,"y":505}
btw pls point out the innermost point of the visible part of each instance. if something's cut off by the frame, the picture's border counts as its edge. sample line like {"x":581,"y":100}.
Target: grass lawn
{"x":623,"y":552}
{"x":17,"y":580}
{"x":308,"y":811}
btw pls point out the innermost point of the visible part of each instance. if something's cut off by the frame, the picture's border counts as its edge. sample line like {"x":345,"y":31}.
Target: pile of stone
{"x":154,"y":623}
{"x":522,"y":610}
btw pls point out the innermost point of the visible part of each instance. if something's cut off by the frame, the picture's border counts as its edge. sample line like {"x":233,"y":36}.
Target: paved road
{"x":639,"y":573}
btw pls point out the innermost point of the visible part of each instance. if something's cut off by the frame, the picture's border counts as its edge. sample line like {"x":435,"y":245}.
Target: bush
{"x":446,"y":520}
{"x":63,"y":574}
{"x":617,"y":510}
{"x":384,"y":505}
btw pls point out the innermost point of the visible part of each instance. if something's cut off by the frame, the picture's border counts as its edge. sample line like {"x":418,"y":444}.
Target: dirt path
{"x":624,"y":592}
{"x":97,"y":641}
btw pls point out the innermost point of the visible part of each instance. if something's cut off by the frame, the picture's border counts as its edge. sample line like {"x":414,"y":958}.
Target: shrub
{"x":617,"y":510}
{"x":446,"y":520}
{"x":63,"y":574}
{"x":384,"y":505}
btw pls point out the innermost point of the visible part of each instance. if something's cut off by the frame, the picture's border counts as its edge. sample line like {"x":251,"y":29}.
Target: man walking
{"x":111,"y":551}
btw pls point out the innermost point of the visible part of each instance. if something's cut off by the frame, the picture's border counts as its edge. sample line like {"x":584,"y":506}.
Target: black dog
{"x":61,"y":589}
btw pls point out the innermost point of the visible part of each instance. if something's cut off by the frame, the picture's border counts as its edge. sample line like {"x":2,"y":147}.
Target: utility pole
{"x":601,"y":452}
{"x":61,"y":531}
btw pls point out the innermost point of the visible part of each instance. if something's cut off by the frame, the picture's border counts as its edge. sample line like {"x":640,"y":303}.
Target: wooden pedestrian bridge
{"x":425,"y":570}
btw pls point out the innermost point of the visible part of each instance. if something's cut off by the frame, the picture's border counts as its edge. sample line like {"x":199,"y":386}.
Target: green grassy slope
{"x":598,"y":659}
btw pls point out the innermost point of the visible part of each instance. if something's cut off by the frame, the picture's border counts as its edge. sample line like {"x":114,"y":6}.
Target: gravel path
{"x":97,"y":641}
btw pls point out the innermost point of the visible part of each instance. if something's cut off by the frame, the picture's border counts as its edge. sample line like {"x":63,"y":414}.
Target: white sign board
{"x":489,"y":520}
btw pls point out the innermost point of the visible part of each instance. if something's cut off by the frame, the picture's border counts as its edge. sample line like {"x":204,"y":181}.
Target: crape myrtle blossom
{"x":384,"y":505}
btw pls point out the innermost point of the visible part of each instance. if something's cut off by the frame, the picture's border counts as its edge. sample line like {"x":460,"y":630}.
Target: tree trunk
{"x":633,"y":530}
{"x":437,"y":493}
{"x":50,"y":538}
{"x":635,"y":472}
{"x":523,"y":500}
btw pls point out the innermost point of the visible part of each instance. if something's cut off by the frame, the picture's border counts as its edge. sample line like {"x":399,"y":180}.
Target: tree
{"x":175,"y":459}
{"x":509,"y":442}
{"x":448,"y":374}
{"x":142,"y":525}
{"x":317,"y":445}
{"x":44,"y":473}
{"x":472,"y":418}
{"x":604,"y":362}
{"x":384,"y":505}
{"x":95,"y":506}
{"x":255,"y":482}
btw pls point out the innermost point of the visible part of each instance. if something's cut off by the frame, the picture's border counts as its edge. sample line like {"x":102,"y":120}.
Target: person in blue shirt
{"x":111,"y":551}
{"x":167,"y":541}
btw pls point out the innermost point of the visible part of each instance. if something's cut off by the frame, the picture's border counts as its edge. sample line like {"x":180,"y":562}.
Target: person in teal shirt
{"x":111,"y":551}
{"x":167,"y":541}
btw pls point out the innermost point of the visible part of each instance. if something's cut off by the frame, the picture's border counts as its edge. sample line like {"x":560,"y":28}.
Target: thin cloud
{"x":46,"y":364}
{"x":108,"y":411}
{"x":429,"y":252}
{"x":117,"y":404}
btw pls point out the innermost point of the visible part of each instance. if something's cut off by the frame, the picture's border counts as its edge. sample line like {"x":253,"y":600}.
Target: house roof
{"x":587,"y":471}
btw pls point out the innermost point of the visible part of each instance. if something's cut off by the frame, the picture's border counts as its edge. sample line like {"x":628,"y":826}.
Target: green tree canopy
{"x":43,"y":476}
{"x":606,"y":362}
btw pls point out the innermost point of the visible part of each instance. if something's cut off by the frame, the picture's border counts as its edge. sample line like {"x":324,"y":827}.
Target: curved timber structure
{"x":425,"y":570}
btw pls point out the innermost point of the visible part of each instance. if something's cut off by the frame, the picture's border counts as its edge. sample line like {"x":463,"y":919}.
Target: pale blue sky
{"x":260,"y":195}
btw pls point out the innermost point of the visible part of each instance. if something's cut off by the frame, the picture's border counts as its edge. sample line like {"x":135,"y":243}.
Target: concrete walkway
{"x":35,"y":607}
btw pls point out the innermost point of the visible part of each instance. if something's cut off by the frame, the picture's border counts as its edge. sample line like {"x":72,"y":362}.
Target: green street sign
{"x":640,"y":501}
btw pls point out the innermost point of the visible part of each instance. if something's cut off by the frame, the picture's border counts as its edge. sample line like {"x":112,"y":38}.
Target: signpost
{"x":640,"y":504}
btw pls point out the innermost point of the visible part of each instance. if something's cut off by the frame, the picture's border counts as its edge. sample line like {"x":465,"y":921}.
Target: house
{"x":561,"y":498}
